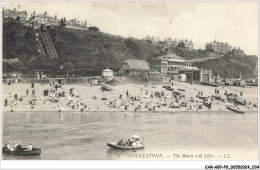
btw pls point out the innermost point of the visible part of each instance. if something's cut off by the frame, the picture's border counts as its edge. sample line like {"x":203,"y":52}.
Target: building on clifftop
{"x":44,"y":19}
{"x":15,"y":14}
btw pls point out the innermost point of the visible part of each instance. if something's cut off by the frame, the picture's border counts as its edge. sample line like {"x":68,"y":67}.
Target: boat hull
{"x":235,"y":110}
{"x":239,"y":101}
{"x":22,"y":152}
{"x":115,"y":146}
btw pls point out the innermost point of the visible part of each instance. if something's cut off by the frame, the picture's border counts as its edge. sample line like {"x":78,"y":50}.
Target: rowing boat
{"x":234,"y":109}
{"x":22,"y":151}
{"x":115,"y":146}
{"x":240,"y":101}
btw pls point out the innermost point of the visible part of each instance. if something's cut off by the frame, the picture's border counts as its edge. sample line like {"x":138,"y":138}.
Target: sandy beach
{"x":82,"y":98}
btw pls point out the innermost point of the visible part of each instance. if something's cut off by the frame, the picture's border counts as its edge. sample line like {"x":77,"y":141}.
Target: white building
{"x":107,"y":74}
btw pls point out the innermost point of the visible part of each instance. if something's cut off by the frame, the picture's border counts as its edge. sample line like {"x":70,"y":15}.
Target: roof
{"x":189,"y":69}
{"x":177,"y":60}
{"x":15,"y":11}
{"x":107,"y":70}
{"x":137,"y":64}
{"x":44,"y":16}
{"x":172,"y":57}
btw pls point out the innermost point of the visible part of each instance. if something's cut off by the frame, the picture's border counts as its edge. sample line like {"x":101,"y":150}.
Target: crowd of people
{"x":144,"y":99}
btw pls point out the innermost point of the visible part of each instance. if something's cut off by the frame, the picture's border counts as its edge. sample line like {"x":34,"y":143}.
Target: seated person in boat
{"x":29,"y":147}
{"x":18,"y":146}
{"x":135,"y":142}
{"x":121,"y":143}
{"x":128,"y":142}
{"x":8,"y":146}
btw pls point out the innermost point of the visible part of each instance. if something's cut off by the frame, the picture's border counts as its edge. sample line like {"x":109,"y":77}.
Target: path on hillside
{"x":206,"y":58}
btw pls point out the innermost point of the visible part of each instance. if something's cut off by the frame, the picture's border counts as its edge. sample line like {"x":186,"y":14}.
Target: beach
{"x":77,"y":127}
{"x":91,"y":98}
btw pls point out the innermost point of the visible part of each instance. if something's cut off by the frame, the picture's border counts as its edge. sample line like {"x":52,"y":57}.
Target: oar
{"x":11,"y":154}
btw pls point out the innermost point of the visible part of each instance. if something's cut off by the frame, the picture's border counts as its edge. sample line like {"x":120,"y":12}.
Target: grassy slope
{"x":18,"y":41}
{"x":91,"y":50}
{"x":226,"y":67}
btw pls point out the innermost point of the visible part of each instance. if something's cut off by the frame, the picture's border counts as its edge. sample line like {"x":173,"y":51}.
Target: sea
{"x":84,"y":136}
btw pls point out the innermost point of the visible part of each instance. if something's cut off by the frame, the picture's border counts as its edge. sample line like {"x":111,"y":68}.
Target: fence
{"x":50,"y":80}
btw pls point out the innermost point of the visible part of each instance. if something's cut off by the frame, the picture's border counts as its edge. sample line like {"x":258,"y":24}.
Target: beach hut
{"x":133,"y":67}
{"x":107,"y":74}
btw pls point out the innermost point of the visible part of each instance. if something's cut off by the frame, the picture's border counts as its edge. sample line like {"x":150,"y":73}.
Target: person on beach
{"x":6,"y":102}
{"x":154,"y":107}
{"x":15,"y":96}
{"x":33,"y":92}
{"x":27,"y":92}
{"x":127,"y":93}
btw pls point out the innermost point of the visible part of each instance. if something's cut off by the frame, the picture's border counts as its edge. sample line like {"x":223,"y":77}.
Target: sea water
{"x":83,"y":136}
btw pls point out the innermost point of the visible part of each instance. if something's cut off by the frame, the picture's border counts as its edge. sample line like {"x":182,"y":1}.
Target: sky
{"x":201,"y":22}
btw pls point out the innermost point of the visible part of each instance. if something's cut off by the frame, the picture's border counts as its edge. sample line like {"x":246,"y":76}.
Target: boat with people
{"x":22,"y":152}
{"x":132,"y":144}
{"x":235,"y":109}
{"x":240,"y":101}
{"x":18,"y":150}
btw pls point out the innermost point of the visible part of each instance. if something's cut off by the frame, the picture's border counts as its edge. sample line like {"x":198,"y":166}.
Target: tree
{"x":95,"y":29}
{"x":181,"y":44}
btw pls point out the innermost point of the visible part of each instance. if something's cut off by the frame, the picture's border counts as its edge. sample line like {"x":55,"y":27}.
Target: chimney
{"x":86,"y":23}
{"x":55,"y":15}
